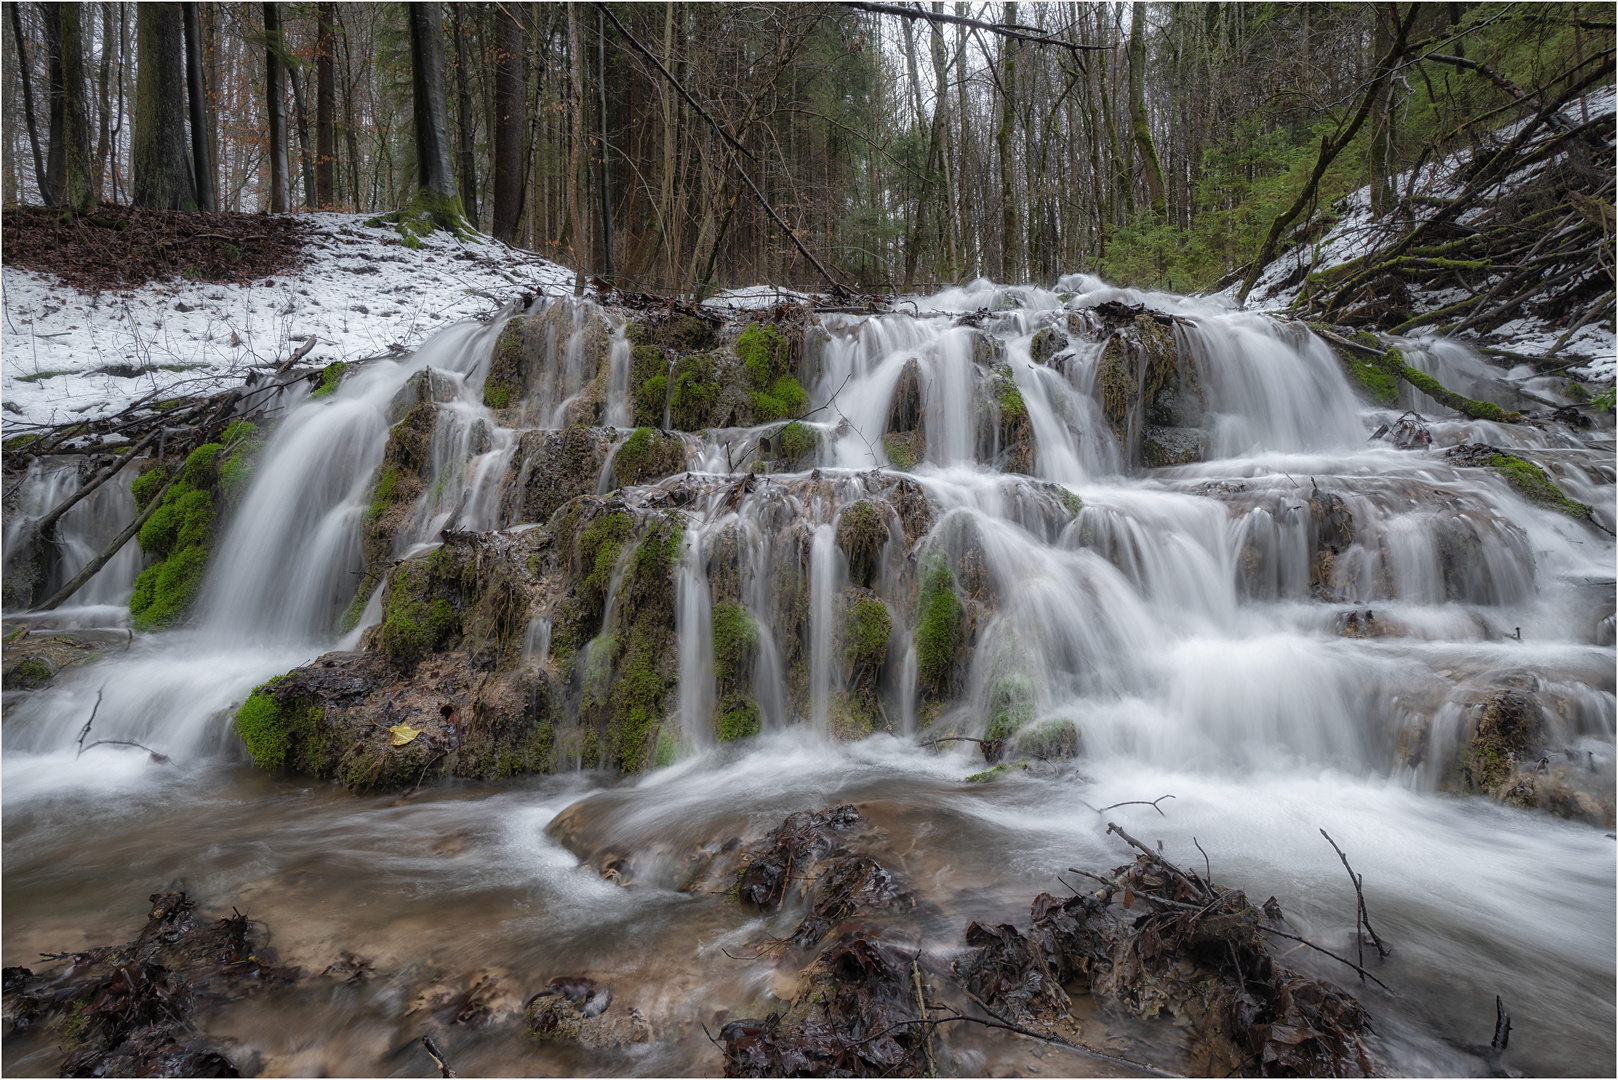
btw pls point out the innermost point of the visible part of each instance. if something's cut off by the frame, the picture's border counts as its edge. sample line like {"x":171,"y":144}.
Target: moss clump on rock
{"x":795,"y":442}
{"x":645,"y":675}
{"x":785,"y":398}
{"x":599,"y":546}
{"x":695,"y":394}
{"x":940,"y":617}
{"x":735,"y":641}
{"x":330,"y":377}
{"x":415,"y":620}
{"x":763,"y":351}
{"x":865,"y":633}
{"x":862,"y":533}
{"x":1531,"y":482}
{"x":503,"y":386}
{"x":180,"y":534}
{"x":739,"y":720}
{"x":1011,"y":706}
{"x":1508,"y":726}
{"x":647,"y":455}
{"x":29,"y":674}
{"x":281,"y":733}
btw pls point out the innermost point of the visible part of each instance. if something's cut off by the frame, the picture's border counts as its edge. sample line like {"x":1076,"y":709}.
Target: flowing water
{"x":1171,"y":619}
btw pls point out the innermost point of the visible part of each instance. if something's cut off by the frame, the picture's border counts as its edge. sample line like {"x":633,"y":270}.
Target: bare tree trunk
{"x":306,"y":152}
{"x":162,"y":161}
{"x":201,"y":151}
{"x":466,"y":156}
{"x":103,"y":134}
{"x":275,"y":100}
{"x":601,"y":124}
{"x":575,"y":171}
{"x":1139,"y":124}
{"x":510,"y":77}
{"x":325,"y":105}
{"x":1010,"y":253}
{"x":434,"y":171}
{"x":28,"y":103}
{"x":70,"y":122}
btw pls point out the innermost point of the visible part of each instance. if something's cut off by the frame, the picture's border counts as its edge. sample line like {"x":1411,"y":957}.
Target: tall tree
{"x":1139,"y":124}
{"x":20,"y":41}
{"x":325,"y":104}
{"x":435,"y":174}
{"x":510,"y":75}
{"x":275,"y":100}
{"x":1010,"y":256}
{"x":201,"y":146}
{"x":466,"y":156}
{"x":103,"y":137}
{"x":67,"y":170}
{"x":160,"y":155}
{"x":601,"y":119}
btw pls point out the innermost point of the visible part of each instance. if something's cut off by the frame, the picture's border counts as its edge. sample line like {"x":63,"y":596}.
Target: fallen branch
{"x":1359,"y":893}
{"x":1328,"y":952}
{"x":438,"y":1056}
{"x":48,"y":522}
{"x":1138,"y":802}
{"x":94,"y":566}
{"x":1158,"y":858}
{"x":1002,"y":1022}
{"x":85,"y":731}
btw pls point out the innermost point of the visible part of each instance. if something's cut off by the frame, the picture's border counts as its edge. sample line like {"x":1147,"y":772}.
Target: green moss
{"x":1013,"y":410}
{"x":356,"y":606}
{"x":735,"y":638}
{"x":148,"y":484}
{"x":414,"y":621}
{"x":739,"y":720}
{"x":1073,"y":503}
{"x":599,"y":546}
{"x":865,"y":634}
{"x":786,"y":398}
{"x":897,"y":447}
{"x":1531,"y":482}
{"x":940,"y":616}
{"x":650,"y":398}
{"x":29,"y":674}
{"x":668,"y":748}
{"x":989,"y":774}
{"x":796,"y":441}
{"x":180,"y":534}
{"x":637,"y":698}
{"x":261,"y":728}
{"x":1011,"y":705}
{"x":382,"y":494}
{"x":41,"y":376}
{"x":696,"y":392}
{"x":329,"y":380}
{"x":1380,"y":385}
{"x":763,"y":352}
{"x":647,"y":455}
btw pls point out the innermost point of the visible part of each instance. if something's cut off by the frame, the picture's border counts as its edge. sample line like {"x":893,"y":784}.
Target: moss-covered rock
{"x":1531,"y":482}
{"x":940,"y":619}
{"x":405,"y":473}
{"x":1140,"y":367}
{"x":29,"y":673}
{"x":179,"y":535}
{"x":330,"y":377}
{"x":1014,"y":434}
{"x":862,"y":533}
{"x":1046,"y":344}
{"x":866,"y":629}
{"x":505,"y":383}
{"x":647,"y":670}
{"x":647,"y":455}
{"x":796,"y":446}
{"x":735,"y":645}
{"x":552,"y":467}
{"x":1508,"y":726}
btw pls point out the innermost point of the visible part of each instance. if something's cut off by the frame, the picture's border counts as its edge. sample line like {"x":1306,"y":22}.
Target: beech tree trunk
{"x":466,"y":156}
{"x":68,"y":170}
{"x":275,"y":95}
{"x":510,"y":75}
{"x":434,"y":171}
{"x":1139,"y":124}
{"x":28,"y":103}
{"x":161,"y":156}
{"x":201,"y":148}
{"x":325,"y":105}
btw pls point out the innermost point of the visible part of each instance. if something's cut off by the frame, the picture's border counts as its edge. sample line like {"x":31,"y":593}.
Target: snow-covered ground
{"x":360,"y":291}
{"x":1357,"y":232}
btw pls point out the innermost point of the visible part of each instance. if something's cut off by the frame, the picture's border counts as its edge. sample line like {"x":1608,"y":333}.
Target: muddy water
{"x":1171,"y":620}
{"x":459,"y":900}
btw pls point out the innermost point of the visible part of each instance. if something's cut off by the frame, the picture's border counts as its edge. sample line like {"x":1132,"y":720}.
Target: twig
{"x":1328,"y":952}
{"x":1138,"y":802}
{"x":1158,"y":858}
{"x":1150,"y":1070}
{"x":85,"y":733}
{"x":1363,"y":916}
{"x":438,"y":1056}
{"x":1206,"y":865}
{"x":161,"y":759}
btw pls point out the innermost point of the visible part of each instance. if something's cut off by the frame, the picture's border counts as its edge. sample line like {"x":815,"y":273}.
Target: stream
{"x":1171,"y":620}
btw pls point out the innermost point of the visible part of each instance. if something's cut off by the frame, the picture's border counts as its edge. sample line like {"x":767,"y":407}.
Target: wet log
{"x":94,"y":566}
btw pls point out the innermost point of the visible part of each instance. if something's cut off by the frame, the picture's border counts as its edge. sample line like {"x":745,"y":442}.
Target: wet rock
{"x":1046,"y":344}
{"x":987,"y":350}
{"x":140,"y":1009}
{"x":575,"y":1008}
{"x":1143,"y":382}
{"x":405,"y":473}
{"x":905,"y":409}
{"x":1012,"y":444}
{"x":910,"y":503}
{"x":551,"y":467}
{"x":1174,"y":446}
{"x":1330,"y":534}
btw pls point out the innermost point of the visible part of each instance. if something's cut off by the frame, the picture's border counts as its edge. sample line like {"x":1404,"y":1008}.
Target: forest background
{"x":670,"y":147}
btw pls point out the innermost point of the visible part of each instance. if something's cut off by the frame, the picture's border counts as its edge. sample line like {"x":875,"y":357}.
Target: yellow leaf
{"x":403,"y":733}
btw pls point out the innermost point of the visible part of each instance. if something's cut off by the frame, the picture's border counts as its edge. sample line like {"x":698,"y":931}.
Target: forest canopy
{"x":671,"y":147}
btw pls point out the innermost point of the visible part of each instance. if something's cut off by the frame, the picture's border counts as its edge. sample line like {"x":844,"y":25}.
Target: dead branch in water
{"x":1363,"y":918}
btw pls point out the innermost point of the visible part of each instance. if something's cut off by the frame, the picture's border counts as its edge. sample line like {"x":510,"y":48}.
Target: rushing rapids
{"x":977,"y":569}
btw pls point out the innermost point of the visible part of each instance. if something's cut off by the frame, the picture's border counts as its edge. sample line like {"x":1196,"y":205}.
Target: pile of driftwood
{"x":1528,"y":231}
{"x":163,"y":425}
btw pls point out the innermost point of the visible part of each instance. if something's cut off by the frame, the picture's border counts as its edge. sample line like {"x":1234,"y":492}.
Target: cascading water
{"x":1198,"y":567}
